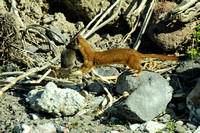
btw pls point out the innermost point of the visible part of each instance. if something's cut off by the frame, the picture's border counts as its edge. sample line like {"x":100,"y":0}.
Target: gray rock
{"x":22,"y":128}
{"x":150,"y":95}
{"x":191,"y":125}
{"x":180,"y":129}
{"x":193,"y":100}
{"x":133,"y":127}
{"x":165,"y":118}
{"x":179,"y":123}
{"x":55,"y":100}
{"x":30,"y":47}
{"x":62,"y":129}
{"x":197,"y":130}
{"x":96,"y":102}
{"x":116,"y":120}
{"x":95,"y":86}
{"x":9,"y":79}
{"x":181,"y":106}
{"x":45,"y":128}
{"x":64,"y":36}
{"x":107,"y":71}
{"x":188,"y":70}
{"x":34,"y":116}
{"x":48,"y":19}
{"x":151,"y":127}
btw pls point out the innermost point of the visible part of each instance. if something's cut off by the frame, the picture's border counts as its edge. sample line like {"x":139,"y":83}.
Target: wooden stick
{"x":144,"y":25}
{"x":44,"y":76}
{"x":13,"y":5}
{"x":31,"y":71}
{"x":97,"y":26}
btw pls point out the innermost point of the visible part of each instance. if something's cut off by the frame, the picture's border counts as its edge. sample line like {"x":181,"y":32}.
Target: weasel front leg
{"x":86,"y":68}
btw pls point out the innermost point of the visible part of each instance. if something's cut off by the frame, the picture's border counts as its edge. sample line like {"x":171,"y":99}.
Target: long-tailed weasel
{"x":125,"y":56}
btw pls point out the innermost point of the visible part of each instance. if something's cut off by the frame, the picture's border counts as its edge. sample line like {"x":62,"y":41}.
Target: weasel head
{"x":77,"y":42}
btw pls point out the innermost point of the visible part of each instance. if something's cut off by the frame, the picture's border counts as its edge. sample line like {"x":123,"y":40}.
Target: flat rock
{"x":107,"y":71}
{"x":149,"y":95}
{"x":58,"y":35}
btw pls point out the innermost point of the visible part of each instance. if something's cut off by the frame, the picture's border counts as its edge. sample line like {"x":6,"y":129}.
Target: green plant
{"x":197,"y":34}
{"x":170,"y":126}
{"x":72,"y":125}
{"x":11,"y":128}
{"x":193,"y":52}
{"x":111,"y":124}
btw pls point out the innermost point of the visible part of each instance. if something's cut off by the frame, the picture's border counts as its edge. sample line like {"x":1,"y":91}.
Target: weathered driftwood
{"x":184,"y":12}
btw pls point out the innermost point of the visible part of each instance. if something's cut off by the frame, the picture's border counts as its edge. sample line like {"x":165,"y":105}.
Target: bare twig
{"x":98,"y":25}
{"x":165,"y":69}
{"x":16,"y":13}
{"x":102,"y":78}
{"x":35,"y":75}
{"x":132,"y":30}
{"x":110,"y":100}
{"x":144,"y":25}
{"x":140,"y":8}
{"x":31,"y":71}
{"x":92,"y":21}
{"x":36,"y":84}
{"x":185,"y":4}
{"x":44,"y":76}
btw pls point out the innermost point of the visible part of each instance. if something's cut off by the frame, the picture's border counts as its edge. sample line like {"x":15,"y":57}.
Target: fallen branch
{"x":98,"y":25}
{"x":13,"y":5}
{"x":31,"y":71}
{"x":144,"y":25}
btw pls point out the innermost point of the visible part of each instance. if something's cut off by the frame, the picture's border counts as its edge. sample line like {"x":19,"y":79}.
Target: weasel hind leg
{"x":135,"y":65}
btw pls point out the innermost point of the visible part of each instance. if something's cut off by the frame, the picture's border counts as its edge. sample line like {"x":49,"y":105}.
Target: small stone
{"x":151,"y":127}
{"x":62,"y":129}
{"x":31,"y":47}
{"x":10,"y":79}
{"x":47,"y":128}
{"x":172,"y":106}
{"x":165,"y":118}
{"x":133,"y":127}
{"x":116,"y":120}
{"x":34,"y":116}
{"x":114,"y":132}
{"x":179,"y":123}
{"x":59,"y":37}
{"x":97,"y":101}
{"x":191,"y":125}
{"x":48,"y":19}
{"x":179,"y":95}
{"x":22,"y":128}
{"x":180,"y":129}
{"x":181,"y":106}
{"x":197,"y":130}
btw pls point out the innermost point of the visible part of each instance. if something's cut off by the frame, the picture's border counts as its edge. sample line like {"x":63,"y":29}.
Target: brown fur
{"x":125,"y":56}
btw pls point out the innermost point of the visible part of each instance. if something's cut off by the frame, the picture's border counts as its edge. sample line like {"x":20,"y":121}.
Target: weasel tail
{"x":164,"y":57}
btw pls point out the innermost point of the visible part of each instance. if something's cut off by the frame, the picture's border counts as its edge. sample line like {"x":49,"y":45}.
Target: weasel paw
{"x":136,"y":74}
{"x":77,"y":72}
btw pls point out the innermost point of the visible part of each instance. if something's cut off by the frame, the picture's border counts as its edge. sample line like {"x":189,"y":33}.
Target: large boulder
{"x":149,"y":95}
